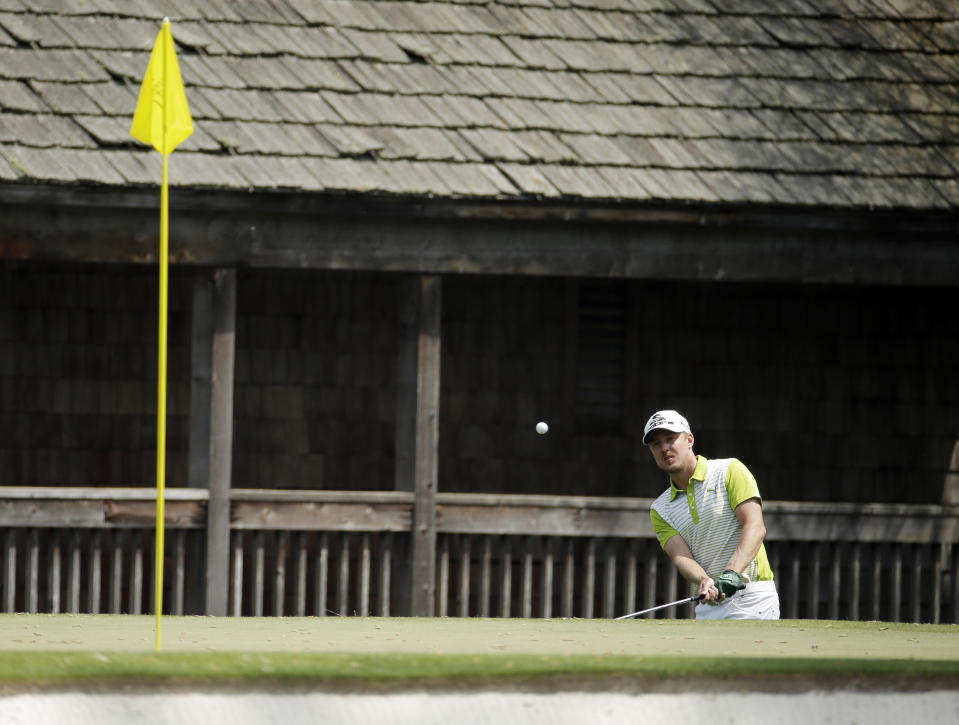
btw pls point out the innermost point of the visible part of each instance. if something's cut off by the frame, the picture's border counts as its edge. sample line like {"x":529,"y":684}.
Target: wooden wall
{"x":78,"y":375}
{"x":827,"y":392}
{"x":315,"y":380}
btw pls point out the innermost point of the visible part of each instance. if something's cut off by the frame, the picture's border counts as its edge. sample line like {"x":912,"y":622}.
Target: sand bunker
{"x":480,"y":708}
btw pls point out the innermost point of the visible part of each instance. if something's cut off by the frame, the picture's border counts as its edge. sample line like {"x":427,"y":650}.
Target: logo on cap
{"x":667,"y":419}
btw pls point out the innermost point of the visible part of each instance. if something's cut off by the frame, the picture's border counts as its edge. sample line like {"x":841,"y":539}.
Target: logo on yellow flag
{"x":162,"y":117}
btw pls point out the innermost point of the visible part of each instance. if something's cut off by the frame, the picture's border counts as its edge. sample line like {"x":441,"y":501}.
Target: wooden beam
{"x":320,"y":516}
{"x":494,"y":514}
{"x":736,"y":244}
{"x":105,"y":513}
{"x":427,"y":448}
{"x":542,"y":521}
{"x":221,"y":443}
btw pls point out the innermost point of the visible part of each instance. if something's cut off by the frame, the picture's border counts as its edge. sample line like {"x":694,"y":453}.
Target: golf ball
{"x":541,"y":427}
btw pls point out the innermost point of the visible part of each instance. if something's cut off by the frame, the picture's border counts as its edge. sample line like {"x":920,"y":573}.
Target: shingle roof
{"x":844,"y":103}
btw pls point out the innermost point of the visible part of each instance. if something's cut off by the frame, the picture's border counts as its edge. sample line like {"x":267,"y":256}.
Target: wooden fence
{"x":346,"y":553}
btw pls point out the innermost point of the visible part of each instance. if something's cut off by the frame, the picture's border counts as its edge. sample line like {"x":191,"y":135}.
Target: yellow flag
{"x":162,"y":117}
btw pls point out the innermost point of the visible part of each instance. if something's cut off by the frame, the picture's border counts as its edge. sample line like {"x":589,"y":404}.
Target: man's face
{"x":671,"y":451}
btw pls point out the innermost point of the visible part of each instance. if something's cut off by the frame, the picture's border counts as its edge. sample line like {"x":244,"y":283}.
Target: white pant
{"x":759,"y":600}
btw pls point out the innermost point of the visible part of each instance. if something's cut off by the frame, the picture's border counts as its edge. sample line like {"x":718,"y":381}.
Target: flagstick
{"x":161,"y":399}
{"x":162,"y":120}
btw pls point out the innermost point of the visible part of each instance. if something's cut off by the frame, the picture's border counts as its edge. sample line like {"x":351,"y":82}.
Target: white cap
{"x":667,"y":420}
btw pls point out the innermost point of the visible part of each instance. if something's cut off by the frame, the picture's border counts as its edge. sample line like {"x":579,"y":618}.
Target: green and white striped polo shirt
{"x":704,"y":515}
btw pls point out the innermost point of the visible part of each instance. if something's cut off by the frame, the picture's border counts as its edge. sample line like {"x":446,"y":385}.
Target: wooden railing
{"x":348,"y":553}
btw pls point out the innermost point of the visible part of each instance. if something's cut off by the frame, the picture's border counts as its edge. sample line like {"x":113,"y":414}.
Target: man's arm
{"x":750,"y":516}
{"x":678,"y":550}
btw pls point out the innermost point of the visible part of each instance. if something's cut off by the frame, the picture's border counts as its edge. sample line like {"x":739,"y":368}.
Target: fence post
{"x":220,"y":442}
{"x":404,"y":471}
{"x":426,"y":449}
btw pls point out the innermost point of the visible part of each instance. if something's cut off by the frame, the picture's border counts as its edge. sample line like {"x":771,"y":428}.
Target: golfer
{"x":710,"y":523}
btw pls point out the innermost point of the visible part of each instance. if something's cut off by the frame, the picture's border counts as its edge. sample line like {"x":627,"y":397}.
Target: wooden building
{"x":405,"y":232}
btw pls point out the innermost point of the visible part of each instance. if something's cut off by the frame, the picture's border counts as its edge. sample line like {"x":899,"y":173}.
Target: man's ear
{"x":690,"y":437}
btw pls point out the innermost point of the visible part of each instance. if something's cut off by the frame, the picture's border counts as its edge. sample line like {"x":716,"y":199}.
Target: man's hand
{"x":729,"y":582}
{"x":708,"y":592}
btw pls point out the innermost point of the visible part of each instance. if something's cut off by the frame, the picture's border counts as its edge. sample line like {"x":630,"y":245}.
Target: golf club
{"x":688,"y":600}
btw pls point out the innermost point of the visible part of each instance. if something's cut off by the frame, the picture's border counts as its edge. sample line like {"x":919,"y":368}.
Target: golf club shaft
{"x":688,"y":600}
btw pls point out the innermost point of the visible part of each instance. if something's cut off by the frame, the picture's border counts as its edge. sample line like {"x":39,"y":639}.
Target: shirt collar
{"x":698,"y":475}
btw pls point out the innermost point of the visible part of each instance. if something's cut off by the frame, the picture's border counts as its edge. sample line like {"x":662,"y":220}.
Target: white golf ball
{"x":541,"y":427}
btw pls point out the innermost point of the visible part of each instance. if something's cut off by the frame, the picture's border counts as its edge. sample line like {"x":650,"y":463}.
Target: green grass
{"x":271,"y":669}
{"x":110,"y":651}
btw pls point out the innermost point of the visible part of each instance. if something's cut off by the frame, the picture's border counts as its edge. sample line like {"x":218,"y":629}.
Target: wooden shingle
{"x":533,"y":53}
{"x":133,"y":166}
{"x":643,"y":89}
{"x":506,"y":20}
{"x":748,"y":188}
{"x":375,"y":45}
{"x":49,"y":65}
{"x":231,"y":135}
{"x":90,"y":165}
{"x":349,"y":140}
{"x":67,"y":98}
{"x":606,"y":88}
{"x":421,"y":144}
{"x":624,"y":181}
{"x":107,"y":33}
{"x":494,"y":145}
{"x":561,"y":23}
{"x":107,"y":130}
{"x":39,"y":163}
{"x":592,"y":149}
{"x":473,"y":50}
{"x":813,"y":189}
{"x":424,"y":177}
{"x":778,"y":125}
{"x":45,"y":131}
{"x":463,"y":181}
{"x":605,"y":24}
{"x":566,"y":116}
{"x":477,"y":112}
{"x":544,"y":146}
{"x":405,"y":79}
{"x":18,"y":96}
{"x":581,"y":181}
{"x":643,"y":121}
{"x":503,"y":185}
{"x":122,"y":64}
{"x":306,"y":107}
{"x":349,"y":175}
{"x":529,"y":179}
{"x":203,"y":170}
{"x":41,"y":30}
{"x":9,"y":172}
{"x":219,"y":10}
{"x":6,"y":39}
{"x":676,"y":184}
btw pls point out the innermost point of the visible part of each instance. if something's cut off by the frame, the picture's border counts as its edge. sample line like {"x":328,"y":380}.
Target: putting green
{"x":785,"y":638}
{"x":39,"y":650}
